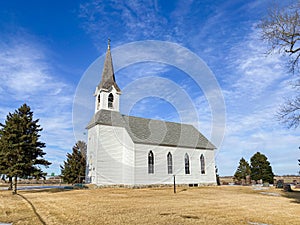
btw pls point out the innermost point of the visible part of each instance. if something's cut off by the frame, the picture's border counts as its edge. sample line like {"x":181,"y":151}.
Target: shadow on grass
{"x":46,"y":190}
{"x":33,"y":209}
{"x":294,"y":195}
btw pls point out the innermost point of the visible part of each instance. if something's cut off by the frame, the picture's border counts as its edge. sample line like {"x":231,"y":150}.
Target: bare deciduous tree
{"x":281,"y":29}
{"x":289,"y":113}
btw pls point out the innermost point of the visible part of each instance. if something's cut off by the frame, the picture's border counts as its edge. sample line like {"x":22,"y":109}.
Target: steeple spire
{"x":108,"y":76}
{"x":108,"y":43}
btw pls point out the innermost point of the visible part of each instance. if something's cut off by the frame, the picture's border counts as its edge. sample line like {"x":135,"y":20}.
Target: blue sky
{"x":47,"y":46}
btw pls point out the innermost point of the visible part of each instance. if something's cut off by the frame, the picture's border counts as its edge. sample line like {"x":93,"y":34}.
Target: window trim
{"x":98,"y":101}
{"x":202,"y":164}
{"x":150,"y":162}
{"x":170,"y":163}
{"x":187,"y":164}
{"x":110,"y":101}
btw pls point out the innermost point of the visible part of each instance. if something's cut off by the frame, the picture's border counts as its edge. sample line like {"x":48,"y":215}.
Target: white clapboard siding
{"x":161,"y":176}
{"x":92,"y":154}
{"x":128,"y":159}
{"x":110,"y":155}
{"x":118,"y":161}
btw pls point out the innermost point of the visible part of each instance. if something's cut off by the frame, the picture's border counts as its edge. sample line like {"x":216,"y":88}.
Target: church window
{"x":98,"y":101}
{"x":187,"y":164}
{"x":150,"y":162}
{"x":170,"y":164}
{"x":202,"y":163}
{"x":110,"y":100}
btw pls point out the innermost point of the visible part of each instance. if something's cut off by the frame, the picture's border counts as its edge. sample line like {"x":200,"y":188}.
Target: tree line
{"x":258,"y":169}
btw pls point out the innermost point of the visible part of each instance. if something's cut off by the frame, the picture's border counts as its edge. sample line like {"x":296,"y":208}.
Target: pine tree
{"x":21,"y":151}
{"x":74,"y":167}
{"x":261,"y":168}
{"x":243,"y":170}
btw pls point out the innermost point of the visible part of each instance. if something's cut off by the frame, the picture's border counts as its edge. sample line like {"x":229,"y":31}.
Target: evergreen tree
{"x":261,"y":168}
{"x":21,"y":151}
{"x":74,"y":167}
{"x":83,"y":148}
{"x":243,"y":170}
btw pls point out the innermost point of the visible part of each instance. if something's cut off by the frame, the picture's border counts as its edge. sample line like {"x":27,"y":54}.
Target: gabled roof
{"x":108,"y":75}
{"x":107,"y":117}
{"x":153,"y":132}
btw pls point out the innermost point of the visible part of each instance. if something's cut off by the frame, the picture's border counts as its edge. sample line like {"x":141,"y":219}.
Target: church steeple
{"x":107,"y":92}
{"x":108,"y":75}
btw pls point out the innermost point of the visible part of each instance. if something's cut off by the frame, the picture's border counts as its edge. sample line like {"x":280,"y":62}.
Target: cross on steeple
{"x":108,"y":43}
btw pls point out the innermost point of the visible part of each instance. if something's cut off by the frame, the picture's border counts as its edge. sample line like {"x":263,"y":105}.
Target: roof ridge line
{"x":187,"y":124}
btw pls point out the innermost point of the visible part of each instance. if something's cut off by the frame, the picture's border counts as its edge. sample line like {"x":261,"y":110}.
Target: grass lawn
{"x":202,"y":205}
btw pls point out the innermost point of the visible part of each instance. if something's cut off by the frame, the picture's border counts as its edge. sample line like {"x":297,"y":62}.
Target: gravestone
{"x":287,"y":187}
{"x":243,"y":182}
{"x":259,"y":181}
{"x":279,"y":184}
{"x":266,"y":184}
{"x":248,"y":180}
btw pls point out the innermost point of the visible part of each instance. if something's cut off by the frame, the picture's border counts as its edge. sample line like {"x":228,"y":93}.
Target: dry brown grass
{"x":203,"y":205}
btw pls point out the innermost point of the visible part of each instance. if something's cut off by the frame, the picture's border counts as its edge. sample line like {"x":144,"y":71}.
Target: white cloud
{"x":132,"y":18}
{"x":257,"y":71}
{"x":28,"y":77}
{"x":258,"y":85}
{"x":139,"y":70}
{"x":24,"y":70}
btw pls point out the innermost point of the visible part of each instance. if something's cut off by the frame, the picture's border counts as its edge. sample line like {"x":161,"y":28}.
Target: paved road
{"x":35,"y":187}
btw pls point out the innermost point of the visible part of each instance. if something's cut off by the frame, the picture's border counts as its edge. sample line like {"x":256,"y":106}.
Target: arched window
{"x":110,"y":100}
{"x":187,"y":164}
{"x":150,"y":162}
{"x":170,"y":163}
{"x":98,"y":101}
{"x":202,"y":164}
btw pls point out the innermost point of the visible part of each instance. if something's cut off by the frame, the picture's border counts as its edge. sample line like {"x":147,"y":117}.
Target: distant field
{"x":287,"y":179}
{"x":202,"y":205}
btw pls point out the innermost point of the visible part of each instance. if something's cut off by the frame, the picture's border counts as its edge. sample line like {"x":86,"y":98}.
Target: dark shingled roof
{"x":108,"y":75}
{"x":153,"y":132}
{"x":107,"y":117}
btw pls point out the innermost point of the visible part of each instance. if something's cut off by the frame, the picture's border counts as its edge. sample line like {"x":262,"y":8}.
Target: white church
{"x":131,"y":151}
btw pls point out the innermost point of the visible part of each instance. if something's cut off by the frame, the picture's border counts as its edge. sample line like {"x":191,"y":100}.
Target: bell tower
{"x":107,"y":93}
